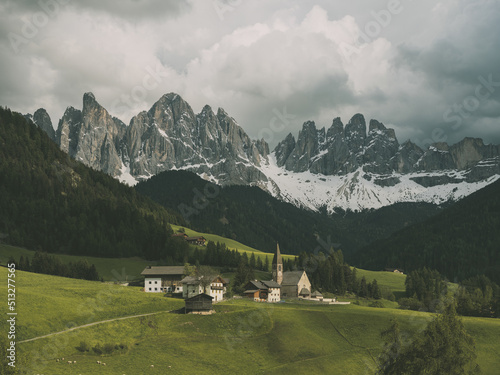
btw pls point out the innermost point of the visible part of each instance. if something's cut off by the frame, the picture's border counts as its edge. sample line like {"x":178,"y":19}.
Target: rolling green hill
{"x":242,"y":337}
{"x":460,"y":242}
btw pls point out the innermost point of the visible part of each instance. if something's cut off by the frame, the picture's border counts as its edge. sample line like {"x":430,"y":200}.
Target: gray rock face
{"x":171,"y":136}
{"x":168,"y":136}
{"x":342,"y":151}
{"x":92,"y":136}
{"x":42,"y":119}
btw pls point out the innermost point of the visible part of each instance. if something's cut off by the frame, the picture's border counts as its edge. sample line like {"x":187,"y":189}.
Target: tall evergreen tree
{"x":444,"y":347}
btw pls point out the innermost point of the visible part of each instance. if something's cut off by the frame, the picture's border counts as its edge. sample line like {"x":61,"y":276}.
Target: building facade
{"x":293,"y":283}
{"x":192,"y":286}
{"x":163,"y":279}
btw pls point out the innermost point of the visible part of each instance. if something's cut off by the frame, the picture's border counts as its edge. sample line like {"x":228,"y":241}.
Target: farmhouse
{"x":198,"y":240}
{"x":293,"y":283}
{"x":263,"y":291}
{"x":162,"y":279}
{"x":193,"y":286}
{"x":395,"y":270}
{"x":199,"y":304}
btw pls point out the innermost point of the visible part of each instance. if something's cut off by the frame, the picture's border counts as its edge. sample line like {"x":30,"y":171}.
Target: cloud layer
{"x":428,"y":69}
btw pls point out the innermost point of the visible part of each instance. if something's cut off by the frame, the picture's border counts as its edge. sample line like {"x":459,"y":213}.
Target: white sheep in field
{"x":152,"y":366}
{"x":70,"y":362}
{"x":103,"y":364}
{"x":98,"y":362}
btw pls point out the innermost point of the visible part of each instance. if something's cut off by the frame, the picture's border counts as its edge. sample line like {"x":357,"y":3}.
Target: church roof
{"x":163,"y":270}
{"x":277,"y":255}
{"x":291,"y":277}
{"x":271,"y":284}
{"x":304,"y":291}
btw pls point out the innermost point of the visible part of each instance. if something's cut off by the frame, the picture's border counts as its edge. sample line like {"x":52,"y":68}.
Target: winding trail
{"x":92,"y":324}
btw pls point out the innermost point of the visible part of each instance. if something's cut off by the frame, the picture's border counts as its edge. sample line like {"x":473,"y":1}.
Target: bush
{"x":83,"y":347}
{"x":410,"y":304}
{"x":377,"y":304}
{"x":108,"y":348}
{"x":97,"y":349}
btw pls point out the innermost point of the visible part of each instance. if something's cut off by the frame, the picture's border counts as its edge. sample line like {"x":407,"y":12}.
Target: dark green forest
{"x":255,"y":218}
{"x":460,"y":242}
{"x":52,"y":203}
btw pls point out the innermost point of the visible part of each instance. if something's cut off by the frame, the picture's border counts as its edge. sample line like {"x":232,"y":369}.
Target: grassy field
{"x":243,"y":337}
{"x":231,"y":244}
{"x":110,"y":269}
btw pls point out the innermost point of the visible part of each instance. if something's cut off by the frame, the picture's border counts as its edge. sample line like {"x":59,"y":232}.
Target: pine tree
{"x":444,"y":347}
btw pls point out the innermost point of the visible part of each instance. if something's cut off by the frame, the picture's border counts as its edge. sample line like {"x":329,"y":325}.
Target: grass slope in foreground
{"x":242,"y":337}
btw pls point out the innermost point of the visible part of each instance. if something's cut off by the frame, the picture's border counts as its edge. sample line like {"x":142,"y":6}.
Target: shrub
{"x":83,"y":347}
{"x":410,"y":304}
{"x":377,"y":304}
{"x":108,"y":348}
{"x":97,"y":349}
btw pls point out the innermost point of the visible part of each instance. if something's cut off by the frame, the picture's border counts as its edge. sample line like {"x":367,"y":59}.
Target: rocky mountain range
{"x":344,"y":167}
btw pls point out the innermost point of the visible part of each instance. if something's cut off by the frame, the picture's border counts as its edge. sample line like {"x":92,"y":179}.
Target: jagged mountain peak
{"x":357,"y":167}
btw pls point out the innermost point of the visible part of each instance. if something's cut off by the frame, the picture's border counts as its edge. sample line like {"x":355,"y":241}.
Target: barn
{"x":199,"y":304}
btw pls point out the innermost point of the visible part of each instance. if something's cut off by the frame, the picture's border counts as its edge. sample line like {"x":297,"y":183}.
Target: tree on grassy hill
{"x":243,"y":274}
{"x":444,"y":347}
{"x":206,"y":275}
{"x":425,"y":289}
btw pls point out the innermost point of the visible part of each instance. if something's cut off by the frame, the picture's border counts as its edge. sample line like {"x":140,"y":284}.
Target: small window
{"x":156,"y":282}
{"x":156,"y":289}
{"x":150,"y":282}
{"x":150,"y":289}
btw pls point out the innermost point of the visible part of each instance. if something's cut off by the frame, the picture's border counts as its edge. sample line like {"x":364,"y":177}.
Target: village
{"x":201,"y":291}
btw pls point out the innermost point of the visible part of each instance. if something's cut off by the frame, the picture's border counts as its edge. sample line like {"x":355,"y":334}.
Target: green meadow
{"x":110,"y":269}
{"x":230,"y":244}
{"x":242,"y":337}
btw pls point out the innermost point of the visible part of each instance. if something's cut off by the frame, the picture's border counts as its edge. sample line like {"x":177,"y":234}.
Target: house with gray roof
{"x":192,"y":286}
{"x":263,"y":291}
{"x":162,"y":279}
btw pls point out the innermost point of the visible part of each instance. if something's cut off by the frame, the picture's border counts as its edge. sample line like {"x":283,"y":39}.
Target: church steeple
{"x":277,"y":266}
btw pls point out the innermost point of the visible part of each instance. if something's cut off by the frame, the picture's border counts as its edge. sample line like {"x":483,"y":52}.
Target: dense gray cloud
{"x":428,"y":69}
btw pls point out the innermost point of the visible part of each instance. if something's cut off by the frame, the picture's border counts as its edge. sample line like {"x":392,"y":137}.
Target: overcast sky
{"x":430,"y":69}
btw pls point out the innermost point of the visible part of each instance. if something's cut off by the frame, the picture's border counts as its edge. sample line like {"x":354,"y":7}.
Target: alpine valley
{"x":343,"y":167}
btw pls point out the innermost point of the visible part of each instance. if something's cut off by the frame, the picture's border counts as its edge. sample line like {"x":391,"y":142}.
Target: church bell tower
{"x":277,"y":266}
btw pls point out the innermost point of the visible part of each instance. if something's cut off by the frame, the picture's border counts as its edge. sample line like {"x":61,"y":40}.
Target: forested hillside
{"x":254,"y":217}
{"x":52,"y":203}
{"x":460,"y":242}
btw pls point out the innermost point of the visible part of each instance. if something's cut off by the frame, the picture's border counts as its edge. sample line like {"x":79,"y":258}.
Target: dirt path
{"x":91,"y":324}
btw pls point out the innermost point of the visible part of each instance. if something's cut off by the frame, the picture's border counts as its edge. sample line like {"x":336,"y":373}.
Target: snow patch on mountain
{"x":357,"y":190}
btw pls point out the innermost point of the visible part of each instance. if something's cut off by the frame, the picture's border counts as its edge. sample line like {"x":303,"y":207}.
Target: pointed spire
{"x":277,"y":255}
{"x":277,"y":266}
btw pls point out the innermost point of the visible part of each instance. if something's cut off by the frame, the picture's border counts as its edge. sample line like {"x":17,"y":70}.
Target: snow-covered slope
{"x":358,"y":190}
